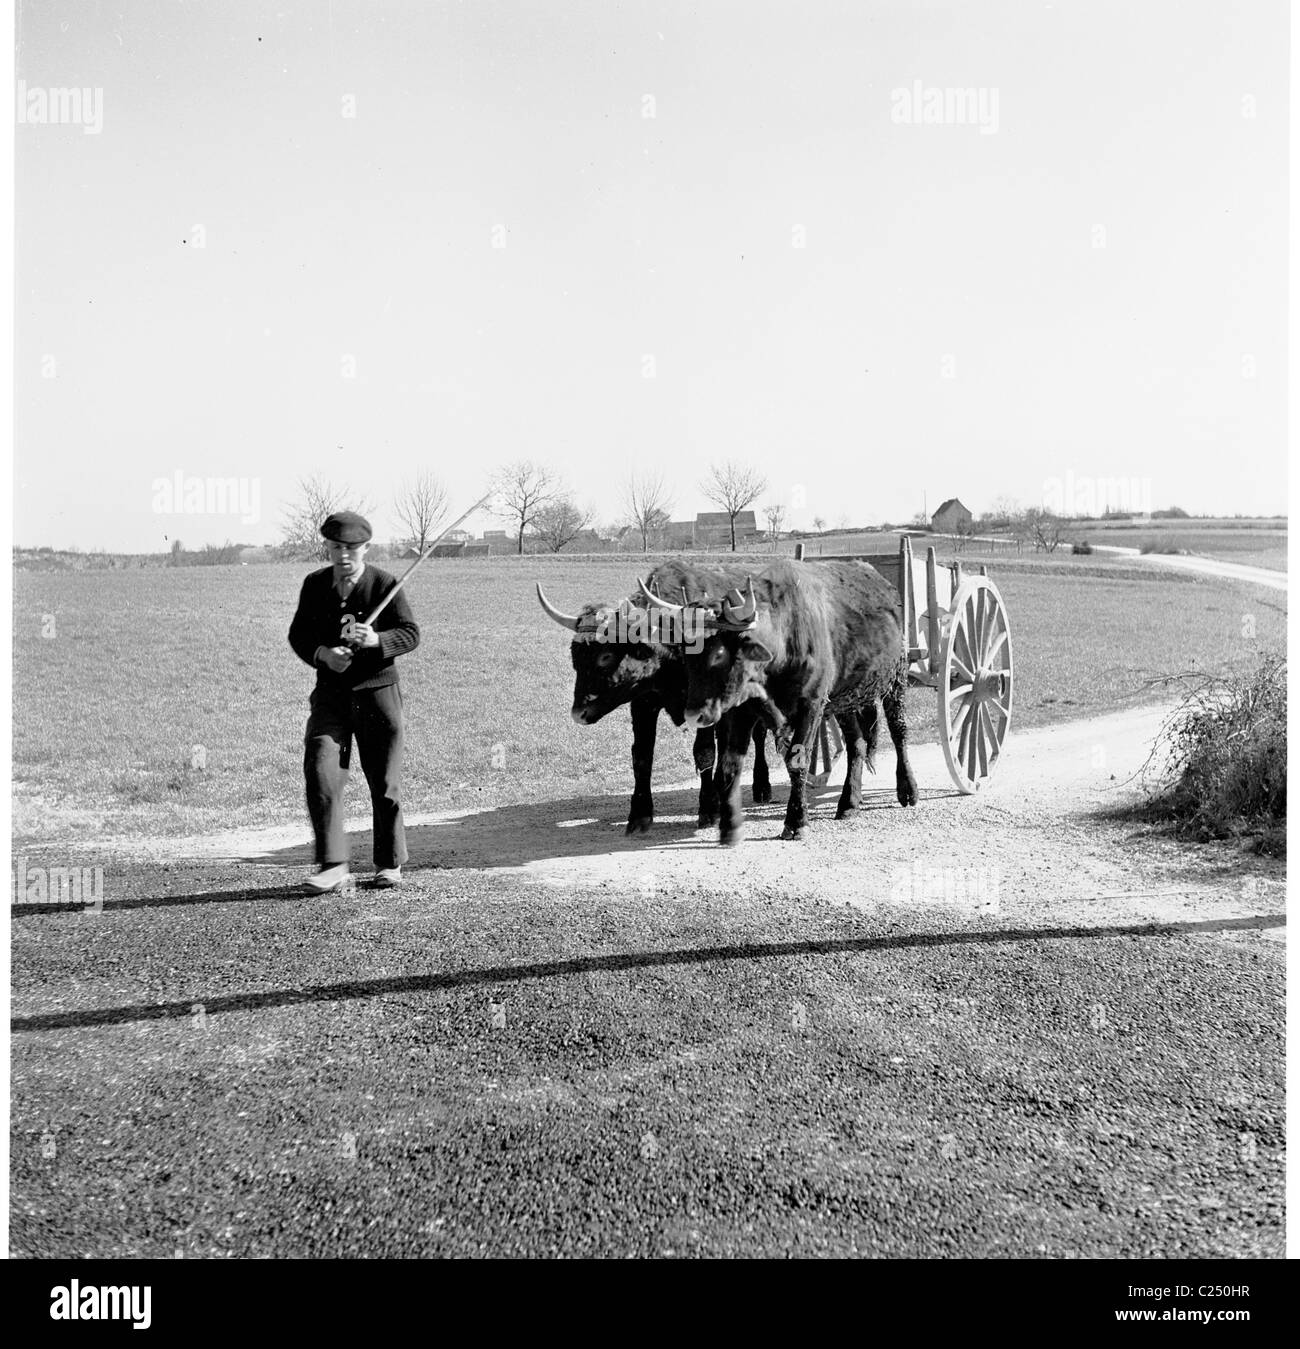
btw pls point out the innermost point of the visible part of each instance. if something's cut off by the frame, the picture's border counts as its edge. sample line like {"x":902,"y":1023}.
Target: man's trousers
{"x":374,"y":716}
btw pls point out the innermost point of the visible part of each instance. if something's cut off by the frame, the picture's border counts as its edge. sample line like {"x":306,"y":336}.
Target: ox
{"x":614,"y":664}
{"x":818,"y":638}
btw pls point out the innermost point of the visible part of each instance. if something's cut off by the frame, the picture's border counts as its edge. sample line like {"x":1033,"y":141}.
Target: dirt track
{"x":1202,"y":566}
{"x":1022,"y":849}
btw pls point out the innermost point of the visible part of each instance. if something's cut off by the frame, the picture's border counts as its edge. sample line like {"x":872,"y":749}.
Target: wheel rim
{"x":976,"y":688}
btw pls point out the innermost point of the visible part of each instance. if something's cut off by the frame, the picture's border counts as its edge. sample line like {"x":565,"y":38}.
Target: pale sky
{"x":950,"y":325}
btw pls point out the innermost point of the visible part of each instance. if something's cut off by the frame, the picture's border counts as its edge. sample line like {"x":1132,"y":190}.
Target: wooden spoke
{"x":963,"y":714}
{"x":980,"y":619}
{"x":962,"y":668}
{"x":961,"y":642}
{"x":963,"y":740}
{"x":990,"y":739}
{"x":971,"y":624}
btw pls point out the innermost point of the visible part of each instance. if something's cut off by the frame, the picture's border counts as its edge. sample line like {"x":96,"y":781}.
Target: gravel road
{"x":1006,"y":1025}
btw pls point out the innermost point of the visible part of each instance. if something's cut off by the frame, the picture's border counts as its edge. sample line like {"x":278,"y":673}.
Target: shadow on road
{"x":507,"y":974}
{"x":587,"y":826}
{"x":515,"y":835}
{"x":261,"y":894}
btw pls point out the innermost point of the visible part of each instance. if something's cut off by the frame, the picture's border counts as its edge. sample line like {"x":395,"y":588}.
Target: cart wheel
{"x":828,"y":745}
{"x":975,"y":686}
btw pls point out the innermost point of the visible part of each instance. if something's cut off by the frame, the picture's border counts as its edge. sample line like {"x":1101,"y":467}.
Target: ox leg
{"x":645,"y":722}
{"x":734,"y":731}
{"x":896,"y":720}
{"x":705,"y":751}
{"x":762,"y":782}
{"x":856,"y":748}
{"x":803,"y":726}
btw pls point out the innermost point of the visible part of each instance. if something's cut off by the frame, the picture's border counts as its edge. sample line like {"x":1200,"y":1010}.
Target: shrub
{"x":1225,"y":773}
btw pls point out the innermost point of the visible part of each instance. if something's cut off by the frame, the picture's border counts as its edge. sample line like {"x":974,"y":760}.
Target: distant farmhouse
{"x":711,"y":530}
{"x":460,"y":548}
{"x":951,"y":518}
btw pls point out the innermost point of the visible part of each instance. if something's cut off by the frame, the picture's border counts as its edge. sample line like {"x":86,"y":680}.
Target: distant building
{"x":459,"y":548}
{"x":709,"y":531}
{"x":678,"y":535}
{"x":951,"y":518}
{"x":713,"y":529}
{"x":499,"y":541}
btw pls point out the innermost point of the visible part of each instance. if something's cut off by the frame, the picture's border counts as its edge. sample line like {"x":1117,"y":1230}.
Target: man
{"x":356,"y":693}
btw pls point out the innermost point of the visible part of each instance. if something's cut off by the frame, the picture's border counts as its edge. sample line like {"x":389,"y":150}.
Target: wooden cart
{"x":958,"y":642}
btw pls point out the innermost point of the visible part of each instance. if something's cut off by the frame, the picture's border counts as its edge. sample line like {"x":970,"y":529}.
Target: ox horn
{"x":569,"y":621}
{"x":744,"y":612}
{"x":658,"y":600}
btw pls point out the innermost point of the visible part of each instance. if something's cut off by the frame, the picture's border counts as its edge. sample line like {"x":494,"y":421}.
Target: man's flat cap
{"x":347,"y":527}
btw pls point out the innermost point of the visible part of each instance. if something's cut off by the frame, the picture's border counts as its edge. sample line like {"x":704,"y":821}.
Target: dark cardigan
{"x":319,"y":622}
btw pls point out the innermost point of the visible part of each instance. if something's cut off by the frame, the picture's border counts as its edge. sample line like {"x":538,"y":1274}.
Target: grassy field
{"x":1255,"y":543}
{"x":119,"y":675}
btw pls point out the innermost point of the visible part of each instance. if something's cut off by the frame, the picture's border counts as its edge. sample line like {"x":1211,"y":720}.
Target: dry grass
{"x":1224,"y":760}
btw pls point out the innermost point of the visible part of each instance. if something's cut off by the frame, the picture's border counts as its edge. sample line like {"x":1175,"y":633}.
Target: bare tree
{"x":819,"y":523}
{"x":304,"y":517}
{"x":560,"y":521}
{"x":420,"y":505}
{"x":1043,"y":529}
{"x":733,"y":487}
{"x":522,"y":489}
{"x":774,"y":515}
{"x":648,"y":503}
{"x":1003,"y":512}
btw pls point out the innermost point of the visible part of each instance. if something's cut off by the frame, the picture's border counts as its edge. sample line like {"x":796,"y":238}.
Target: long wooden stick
{"x":428,"y":552}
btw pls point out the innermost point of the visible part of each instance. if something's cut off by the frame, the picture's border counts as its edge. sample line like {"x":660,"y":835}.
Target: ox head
{"x":612,"y":656}
{"x":723,"y":668}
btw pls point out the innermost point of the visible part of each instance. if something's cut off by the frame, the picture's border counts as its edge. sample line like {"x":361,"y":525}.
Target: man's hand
{"x":336,"y":658}
{"x":364,"y":634}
